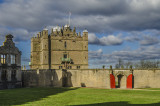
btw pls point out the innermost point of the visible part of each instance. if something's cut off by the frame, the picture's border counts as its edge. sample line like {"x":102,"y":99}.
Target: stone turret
{"x":45,"y":33}
{"x":85,"y":35}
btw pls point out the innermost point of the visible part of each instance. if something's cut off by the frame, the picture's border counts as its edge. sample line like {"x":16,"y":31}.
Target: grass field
{"x":78,"y":96}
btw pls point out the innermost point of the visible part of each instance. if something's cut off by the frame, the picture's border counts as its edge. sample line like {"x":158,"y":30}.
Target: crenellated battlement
{"x":64,"y":32}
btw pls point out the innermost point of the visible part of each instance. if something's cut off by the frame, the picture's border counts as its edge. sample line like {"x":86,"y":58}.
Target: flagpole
{"x":69,"y":17}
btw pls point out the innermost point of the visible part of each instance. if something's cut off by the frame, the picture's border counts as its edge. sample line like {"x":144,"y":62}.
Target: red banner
{"x":112,"y":81}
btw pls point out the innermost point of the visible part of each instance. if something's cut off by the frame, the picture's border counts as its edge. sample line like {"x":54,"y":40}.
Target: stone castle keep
{"x":60,"y":59}
{"x":62,"y":49}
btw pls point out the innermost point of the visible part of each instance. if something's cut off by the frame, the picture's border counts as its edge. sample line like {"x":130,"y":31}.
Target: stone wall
{"x":146,"y":78}
{"x":63,"y":78}
{"x":35,"y":78}
{"x":87,"y":78}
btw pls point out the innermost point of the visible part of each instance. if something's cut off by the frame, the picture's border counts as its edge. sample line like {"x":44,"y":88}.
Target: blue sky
{"x":126,"y":29}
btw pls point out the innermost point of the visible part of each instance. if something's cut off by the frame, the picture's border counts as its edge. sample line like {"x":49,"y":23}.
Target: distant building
{"x":62,"y":49}
{"x":10,"y":64}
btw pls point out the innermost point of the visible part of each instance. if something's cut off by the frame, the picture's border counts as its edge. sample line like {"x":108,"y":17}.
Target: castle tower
{"x":35,"y":52}
{"x":85,"y":47}
{"x":62,"y":49}
{"x":44,"y":48}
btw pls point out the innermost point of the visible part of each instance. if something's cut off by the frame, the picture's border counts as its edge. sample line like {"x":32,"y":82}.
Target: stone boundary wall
{"x":36,"y":78}
{"x":99,"y":78}
{"x":63,"y":78}
{"x":146,"y":78}
{"x":90,"y":78}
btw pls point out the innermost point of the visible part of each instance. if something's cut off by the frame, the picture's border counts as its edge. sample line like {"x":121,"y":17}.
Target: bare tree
{"x":128,"y":64}
{"x":120,"y":63}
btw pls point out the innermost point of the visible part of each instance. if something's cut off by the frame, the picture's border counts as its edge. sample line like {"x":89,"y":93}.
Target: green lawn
{"x":77,"y":96}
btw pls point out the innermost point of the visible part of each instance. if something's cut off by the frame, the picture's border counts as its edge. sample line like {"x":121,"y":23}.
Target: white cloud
{"x":92,"y":38}
{"x":102,"y":16}
{"x":95,"y":54}
{"x":149,"y":40}
{"x":111,"y":40}
{"x":18,"y":33}
{"x":105,"y":40}
{"x":142,"y":53}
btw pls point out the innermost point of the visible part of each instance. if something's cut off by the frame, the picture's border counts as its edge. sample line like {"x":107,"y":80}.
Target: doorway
{"x":121,"y":81}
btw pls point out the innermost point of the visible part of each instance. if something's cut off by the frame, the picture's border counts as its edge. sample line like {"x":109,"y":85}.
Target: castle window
{"x":65,"y":44}
{"x":13,"y":75}
{"x":13,"y":59}
{"x":3,"y":59}
{"x":60,"y":67}
{"x":69,"y":67}
{"x":78,"y":67}
{"x":65,"y":56}
{"x":4,"y":75}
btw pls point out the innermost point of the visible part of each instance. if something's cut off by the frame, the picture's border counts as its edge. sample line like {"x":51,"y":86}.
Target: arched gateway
{"x":121,"y":79}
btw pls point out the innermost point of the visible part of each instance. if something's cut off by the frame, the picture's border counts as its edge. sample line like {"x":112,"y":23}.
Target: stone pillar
{"x":8,"y":59}
{"x":131,"y":70}
{"x":18,"y":74}
{"x":111,"y":70}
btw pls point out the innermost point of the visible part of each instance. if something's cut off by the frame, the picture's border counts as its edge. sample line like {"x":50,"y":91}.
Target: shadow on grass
{"x":123,"y":103}
{"x":24,"y":95}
